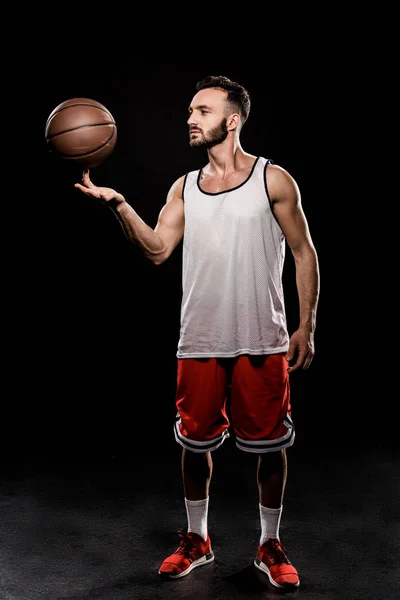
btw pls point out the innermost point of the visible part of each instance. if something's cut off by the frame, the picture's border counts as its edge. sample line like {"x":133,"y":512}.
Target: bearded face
{"x":208,"y":139}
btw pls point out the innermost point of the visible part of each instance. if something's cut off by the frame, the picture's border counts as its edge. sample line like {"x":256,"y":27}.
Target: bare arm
{"x":286,"y":202}
{"x":157,"y":244}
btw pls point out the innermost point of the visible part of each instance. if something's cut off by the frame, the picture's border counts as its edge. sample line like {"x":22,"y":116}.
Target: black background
{"x":92,"y":327}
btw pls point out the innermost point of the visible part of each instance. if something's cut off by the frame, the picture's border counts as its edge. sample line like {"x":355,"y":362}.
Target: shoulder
{"x":275,"y":171}
{"x":280,"y":182}
{"x":177,"y":187}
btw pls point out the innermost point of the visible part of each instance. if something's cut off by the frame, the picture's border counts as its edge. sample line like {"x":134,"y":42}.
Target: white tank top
{"x":232,"y":263}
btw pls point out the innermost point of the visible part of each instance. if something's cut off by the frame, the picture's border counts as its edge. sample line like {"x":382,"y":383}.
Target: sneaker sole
{"x":204,"y":560}
{"x":264,"y":569}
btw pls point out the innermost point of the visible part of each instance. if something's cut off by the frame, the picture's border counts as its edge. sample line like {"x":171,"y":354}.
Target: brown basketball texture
{"x":81,"y":130}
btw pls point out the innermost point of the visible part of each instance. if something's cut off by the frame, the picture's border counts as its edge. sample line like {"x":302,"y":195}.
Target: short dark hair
{"x":238,"y":96}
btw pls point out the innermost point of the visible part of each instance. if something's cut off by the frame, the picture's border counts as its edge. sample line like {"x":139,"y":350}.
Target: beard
{"x":212,"y":138}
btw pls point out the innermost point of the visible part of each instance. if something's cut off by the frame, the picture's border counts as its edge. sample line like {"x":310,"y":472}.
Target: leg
{"x":194,"y":549}
{"x":201,"y":426}
{"x":260,"y":410}
{"x":196,"y":474}
{"x":271,"y":557}
{"x":271,"y":478}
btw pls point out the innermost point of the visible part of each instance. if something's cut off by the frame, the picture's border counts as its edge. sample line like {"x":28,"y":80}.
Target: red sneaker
{"x":192,"y":552}
{"x":272,"y":559}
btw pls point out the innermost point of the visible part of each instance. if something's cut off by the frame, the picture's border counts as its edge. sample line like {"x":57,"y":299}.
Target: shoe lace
{"x":276,"y":552}
{"x":186,"y":545}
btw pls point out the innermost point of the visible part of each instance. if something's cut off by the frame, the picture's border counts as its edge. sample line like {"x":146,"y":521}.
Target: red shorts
{"x":250,"y":392}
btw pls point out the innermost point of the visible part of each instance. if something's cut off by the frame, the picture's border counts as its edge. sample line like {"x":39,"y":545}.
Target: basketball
{"x":82,"y":131}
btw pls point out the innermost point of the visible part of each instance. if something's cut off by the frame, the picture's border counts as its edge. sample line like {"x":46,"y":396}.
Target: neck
{"x":226,"y":157}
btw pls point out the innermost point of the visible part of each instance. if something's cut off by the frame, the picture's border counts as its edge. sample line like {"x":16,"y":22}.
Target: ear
{"x":233,"y":121}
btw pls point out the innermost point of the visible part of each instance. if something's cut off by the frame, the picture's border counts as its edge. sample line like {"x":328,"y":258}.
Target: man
{"x":235,"y":216}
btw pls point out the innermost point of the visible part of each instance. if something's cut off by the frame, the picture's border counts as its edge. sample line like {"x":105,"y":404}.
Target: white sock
{"x":270,"y":521}
{"x":197,"y":515}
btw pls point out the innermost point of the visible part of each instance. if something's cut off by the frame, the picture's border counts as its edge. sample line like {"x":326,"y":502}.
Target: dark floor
{"x":98,"y":529}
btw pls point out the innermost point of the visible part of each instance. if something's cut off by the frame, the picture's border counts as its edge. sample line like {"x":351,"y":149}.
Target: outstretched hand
{"x":104,"y":194}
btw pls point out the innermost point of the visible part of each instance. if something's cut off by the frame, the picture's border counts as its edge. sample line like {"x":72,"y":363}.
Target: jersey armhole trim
{"x":184,"y":186}
{"x":269,"y":161}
